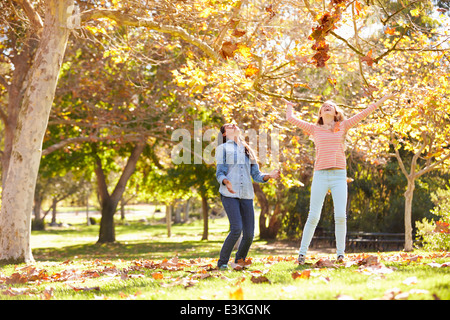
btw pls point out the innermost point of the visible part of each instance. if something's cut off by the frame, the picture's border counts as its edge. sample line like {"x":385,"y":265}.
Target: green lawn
{"x":146,"y":264}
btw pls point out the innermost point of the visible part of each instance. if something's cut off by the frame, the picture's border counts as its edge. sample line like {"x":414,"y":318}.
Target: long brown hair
{"x":248,"y":151}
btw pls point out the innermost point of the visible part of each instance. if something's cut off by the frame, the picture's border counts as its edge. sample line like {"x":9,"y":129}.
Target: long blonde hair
{"x":339,"y":114}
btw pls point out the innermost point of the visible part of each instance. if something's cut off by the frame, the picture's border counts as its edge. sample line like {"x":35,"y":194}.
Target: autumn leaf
{"x":84,"y":288}
{"x":368,"y":261}
{"x":238,"y":33}
{"x":302,"y":85}
{"x":237,"y":295}
{"x":251,"y":71}
{"x":358,"y":7}
{"x":157,"y":275}
{"x":389,"y":31}
{"x":368,"y":58}
{"x":259,"y":279}
{"x":244,"y":50}
{"x":415,"y":12}
{"x":369,"y":90}
{"x":323,"y":263}
{"x":442,"y":227}
{"x":332,"y":81}
{"x":305,"y":274}
{"x":227,"y":50}
{"x":47,"y":294}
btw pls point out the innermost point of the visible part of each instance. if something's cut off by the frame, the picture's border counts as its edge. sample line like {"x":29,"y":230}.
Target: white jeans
{"x":324,"y":180}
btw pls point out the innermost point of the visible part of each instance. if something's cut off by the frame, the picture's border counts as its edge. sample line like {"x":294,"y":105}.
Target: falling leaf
{"x":368,"y":58}
{"x":228,"y":49}
{"x":369,"y":90}
{"x":238,"y":33}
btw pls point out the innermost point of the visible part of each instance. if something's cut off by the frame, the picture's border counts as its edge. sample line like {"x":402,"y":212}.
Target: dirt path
{"x":286,"y":248}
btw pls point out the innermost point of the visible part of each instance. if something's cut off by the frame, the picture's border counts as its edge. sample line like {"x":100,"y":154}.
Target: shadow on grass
{"x":131,"y":251}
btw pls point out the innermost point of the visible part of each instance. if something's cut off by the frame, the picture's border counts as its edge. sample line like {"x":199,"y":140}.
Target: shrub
{"x":435,"y":235}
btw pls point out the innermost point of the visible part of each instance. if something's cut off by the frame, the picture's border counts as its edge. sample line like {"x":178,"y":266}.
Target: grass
{"x":140,"y":265}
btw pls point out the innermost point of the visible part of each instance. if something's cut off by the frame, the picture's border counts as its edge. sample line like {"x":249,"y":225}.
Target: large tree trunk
{"x":408,"y":214}
{"x":264,"y":215}
{"x":19,"y":185}
{"x":109,"y":202}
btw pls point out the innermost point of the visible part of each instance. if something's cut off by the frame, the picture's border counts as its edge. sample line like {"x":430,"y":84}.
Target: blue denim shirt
{"x":233,"y":164}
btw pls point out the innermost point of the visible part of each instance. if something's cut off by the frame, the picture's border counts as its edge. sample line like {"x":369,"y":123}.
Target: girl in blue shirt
{"x":236,"y":166}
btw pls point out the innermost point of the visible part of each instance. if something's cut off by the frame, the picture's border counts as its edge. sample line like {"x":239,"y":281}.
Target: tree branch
{"x":63,"y":143}
{"x":130,"y":20}
{"x":128,"y":170}
{"x":431,"y":167}
{"x":32,"y":14}
{"x":231,"y":22}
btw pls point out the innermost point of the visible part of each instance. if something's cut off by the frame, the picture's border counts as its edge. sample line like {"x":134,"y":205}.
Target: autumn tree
{"x":418,"y":123}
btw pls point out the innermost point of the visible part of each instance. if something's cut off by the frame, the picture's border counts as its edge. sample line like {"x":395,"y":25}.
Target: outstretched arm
{"x":305,"y":126}
{"x":351,"y":122}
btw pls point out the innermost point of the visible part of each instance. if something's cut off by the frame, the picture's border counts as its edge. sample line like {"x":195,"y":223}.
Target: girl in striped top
{"x":329,"y":168}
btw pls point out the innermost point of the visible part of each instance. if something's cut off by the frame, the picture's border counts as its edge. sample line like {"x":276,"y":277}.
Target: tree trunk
{"x":54,"y":203}
{"x":169,"y":220}
{"x":109,"y":202}
{"x":205,"y":217}
{"x":264,"y":215}
{"x":20,"y":182}
{"x":107,"y":230}
{"x":408,"y":214}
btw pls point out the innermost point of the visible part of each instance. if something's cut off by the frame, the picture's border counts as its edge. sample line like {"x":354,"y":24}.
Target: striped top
{"x":330,"y":149}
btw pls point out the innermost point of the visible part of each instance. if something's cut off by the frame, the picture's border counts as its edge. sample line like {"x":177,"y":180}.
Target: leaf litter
{"x":189,"y":273}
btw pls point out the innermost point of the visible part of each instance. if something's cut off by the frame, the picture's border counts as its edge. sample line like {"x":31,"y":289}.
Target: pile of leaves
{"x":167,"y":273}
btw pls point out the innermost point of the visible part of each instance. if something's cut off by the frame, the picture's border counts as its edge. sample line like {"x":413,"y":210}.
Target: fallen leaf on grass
{"x":157,"y":275}
{"x":260,"y":279}
{"x":84,"y":288}
{"x":410,"y":281}
{"x":438,"y":265}
{"x":47,"y":294}
{"x":323,"y":263}
{"x":305,"y":274}
{"x":237,"y":295}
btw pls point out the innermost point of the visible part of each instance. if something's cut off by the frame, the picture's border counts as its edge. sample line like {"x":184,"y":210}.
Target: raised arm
{"x":305,"y":126}
{"x":351,"y":122}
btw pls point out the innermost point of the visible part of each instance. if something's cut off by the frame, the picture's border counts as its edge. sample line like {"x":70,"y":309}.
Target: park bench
{"x":380,"y":241}
{"x":357,"y":241}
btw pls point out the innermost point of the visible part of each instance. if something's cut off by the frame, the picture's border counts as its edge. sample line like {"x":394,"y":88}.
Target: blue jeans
{"x":242,"y":220}
{"x":324,"y":180}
